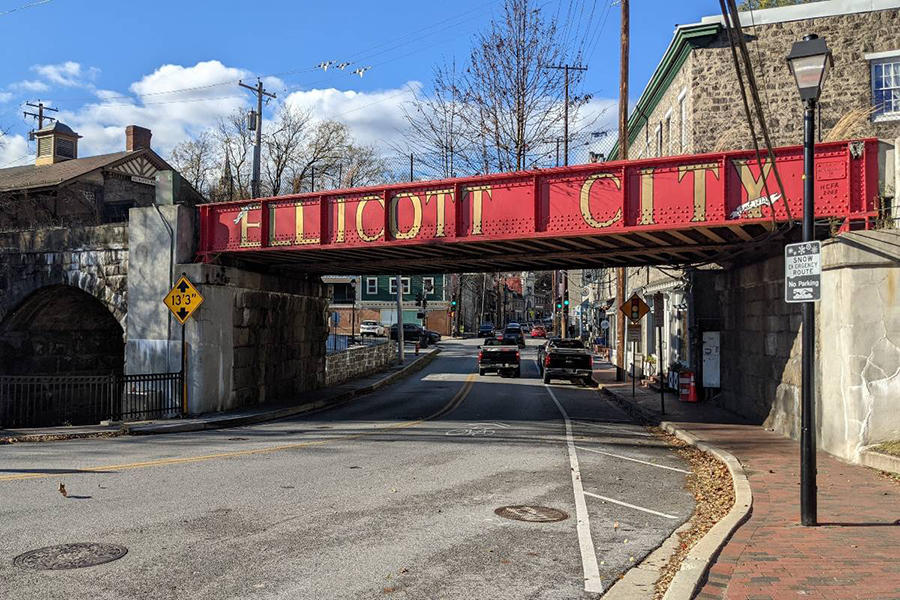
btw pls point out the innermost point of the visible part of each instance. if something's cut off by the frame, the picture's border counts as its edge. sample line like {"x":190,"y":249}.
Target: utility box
{"x":711,"y":361}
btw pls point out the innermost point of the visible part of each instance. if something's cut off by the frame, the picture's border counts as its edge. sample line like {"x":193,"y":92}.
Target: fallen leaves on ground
{"x":713,"y":490}
{"x":62,"y":490}
{"x":7,"y":439}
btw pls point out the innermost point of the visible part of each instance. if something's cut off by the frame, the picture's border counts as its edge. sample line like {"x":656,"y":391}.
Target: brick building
{"x":376,"y":300}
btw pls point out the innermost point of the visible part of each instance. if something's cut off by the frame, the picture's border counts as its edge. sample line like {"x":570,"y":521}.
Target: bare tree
{"x":361,"y":166}
{"x":284,"y":146}
{"x":507,"y":104}
{"x":320,"y":156}
{"x":197,"y":160}
{"x":236,"y":142}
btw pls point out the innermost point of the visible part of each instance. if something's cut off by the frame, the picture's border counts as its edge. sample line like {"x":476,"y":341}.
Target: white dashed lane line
{"x":640,"y":508}
{"x":643,"y":462}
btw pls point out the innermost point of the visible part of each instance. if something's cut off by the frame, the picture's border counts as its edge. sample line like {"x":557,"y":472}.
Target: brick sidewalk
{"x":854,"y":553}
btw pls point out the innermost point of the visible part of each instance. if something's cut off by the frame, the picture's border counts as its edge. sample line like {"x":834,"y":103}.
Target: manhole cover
{"x":533,"y":514}
{"x":70,"y":556}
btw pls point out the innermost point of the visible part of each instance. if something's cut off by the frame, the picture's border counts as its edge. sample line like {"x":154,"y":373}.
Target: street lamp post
{"x":809,"y":62}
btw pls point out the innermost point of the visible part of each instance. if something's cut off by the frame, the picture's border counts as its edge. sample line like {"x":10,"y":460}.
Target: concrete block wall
{"x":858,"y":332}
{"x":857,"y":342}
{"x":358,"y":361}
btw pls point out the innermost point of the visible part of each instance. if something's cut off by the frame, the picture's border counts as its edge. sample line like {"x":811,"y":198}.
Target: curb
{"x":693,"y":569}
{"x":282,"y":413}
{"x":879,"y":460}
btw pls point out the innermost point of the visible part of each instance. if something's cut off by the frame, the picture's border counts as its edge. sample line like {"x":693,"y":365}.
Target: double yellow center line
{"x":452,"y":405}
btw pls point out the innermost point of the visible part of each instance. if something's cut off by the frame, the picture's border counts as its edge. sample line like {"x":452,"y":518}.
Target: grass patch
{"x":892,"y":448}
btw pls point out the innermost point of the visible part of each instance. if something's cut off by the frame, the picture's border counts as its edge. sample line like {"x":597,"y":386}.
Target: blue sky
{"x":92,"y":57}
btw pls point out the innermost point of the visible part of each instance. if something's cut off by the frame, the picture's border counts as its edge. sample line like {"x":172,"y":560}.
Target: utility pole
{"x":565,"y":274}
{"x":566,"y":68}
{"x":623,"y":155}
{"x":39,"y":116}
{"x":255,"y":124}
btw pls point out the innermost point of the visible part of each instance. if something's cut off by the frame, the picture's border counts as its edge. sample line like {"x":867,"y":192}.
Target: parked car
{"x":568,"y":359}
{"x":538,"y":331}
{"x":515,"y":329}
{"x":485,"y":329}
{"x":500,"y":356}
{"x":411,"y":333}
{"x":433,"y":336}
{"x":372,"y":328}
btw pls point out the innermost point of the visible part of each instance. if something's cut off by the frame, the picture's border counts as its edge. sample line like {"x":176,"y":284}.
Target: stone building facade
{"x":63,"y":300}
{"x":692,"y":103}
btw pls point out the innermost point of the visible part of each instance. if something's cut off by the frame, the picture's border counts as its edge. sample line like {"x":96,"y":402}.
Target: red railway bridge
{"x":670,"y":210}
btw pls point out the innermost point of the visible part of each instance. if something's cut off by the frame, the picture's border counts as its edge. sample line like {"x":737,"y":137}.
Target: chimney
{"x":137,"y":138}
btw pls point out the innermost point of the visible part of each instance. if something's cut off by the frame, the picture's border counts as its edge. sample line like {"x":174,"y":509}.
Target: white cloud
{"x":172,"y":117}
{"x":67,"y":74}
{"x":14,"y":151}
{"x":5,"y":97}
{"x":31,"y":85}
{"x":373,"y":117}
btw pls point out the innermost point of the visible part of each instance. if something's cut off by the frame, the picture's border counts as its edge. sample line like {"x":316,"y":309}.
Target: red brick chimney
{"x":137,"y":138}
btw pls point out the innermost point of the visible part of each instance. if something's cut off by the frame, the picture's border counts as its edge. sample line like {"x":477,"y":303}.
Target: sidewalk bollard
{"x":417,"y":348}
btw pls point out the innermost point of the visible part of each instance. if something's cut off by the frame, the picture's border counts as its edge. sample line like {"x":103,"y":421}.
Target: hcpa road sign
{"x":183,"y":299}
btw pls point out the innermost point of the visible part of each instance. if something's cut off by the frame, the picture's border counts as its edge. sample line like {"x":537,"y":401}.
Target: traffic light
{"x":566,"y":300}
{"x":559,"y":304}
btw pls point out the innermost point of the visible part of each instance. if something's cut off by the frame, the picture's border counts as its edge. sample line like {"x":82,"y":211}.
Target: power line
{"x":32,"y":5}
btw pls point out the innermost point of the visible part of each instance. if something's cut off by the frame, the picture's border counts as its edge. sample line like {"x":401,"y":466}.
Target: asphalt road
{"x":390,"y":496}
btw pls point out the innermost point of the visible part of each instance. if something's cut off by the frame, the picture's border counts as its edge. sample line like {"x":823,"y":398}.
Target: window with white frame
{"x":885,"y":84}
{"x":371,"y":285}
{"x":406,"y":285}
{"x":682,"y":122}
{"x":428,"y":285}
{"x":668,"y":135}
{"x":392,"y":286}
{"x":659,"y":140}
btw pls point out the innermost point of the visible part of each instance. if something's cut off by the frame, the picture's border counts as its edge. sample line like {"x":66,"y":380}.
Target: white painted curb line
{"x":639,"y":581}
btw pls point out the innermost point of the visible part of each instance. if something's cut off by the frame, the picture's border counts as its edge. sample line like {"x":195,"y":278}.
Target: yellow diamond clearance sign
{"x":183,"y":300}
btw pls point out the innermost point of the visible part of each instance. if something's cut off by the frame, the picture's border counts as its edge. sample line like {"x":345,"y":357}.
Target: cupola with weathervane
{"x":55,"y":143}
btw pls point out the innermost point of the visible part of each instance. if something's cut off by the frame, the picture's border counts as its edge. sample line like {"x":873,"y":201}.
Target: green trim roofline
{"x":686,"y":39}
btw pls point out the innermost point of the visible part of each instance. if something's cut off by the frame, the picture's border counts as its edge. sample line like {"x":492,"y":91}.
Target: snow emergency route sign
{"x":635,"y":308}
{"x":183,"y":299}
{"x":803,"y":272}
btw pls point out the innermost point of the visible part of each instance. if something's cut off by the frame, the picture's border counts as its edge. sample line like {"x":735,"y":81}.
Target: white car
{"x":373,"y":328}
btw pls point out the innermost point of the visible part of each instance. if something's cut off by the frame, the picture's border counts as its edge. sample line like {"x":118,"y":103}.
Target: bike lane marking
{"x":592,"y":581}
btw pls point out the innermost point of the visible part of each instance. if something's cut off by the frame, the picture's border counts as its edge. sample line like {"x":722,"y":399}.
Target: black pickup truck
{"x":500,"y":355}
{"x":566,"y":359}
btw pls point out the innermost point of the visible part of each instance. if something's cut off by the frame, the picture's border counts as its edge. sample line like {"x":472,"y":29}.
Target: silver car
{"x":373,"y":328}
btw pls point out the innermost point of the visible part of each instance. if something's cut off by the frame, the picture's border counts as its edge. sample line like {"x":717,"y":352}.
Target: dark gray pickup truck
{"x":566,"y":359}
{"x":499,"y":355}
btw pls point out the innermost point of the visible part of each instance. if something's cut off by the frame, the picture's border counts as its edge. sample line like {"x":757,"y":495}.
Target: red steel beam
{"x":593,"y":201}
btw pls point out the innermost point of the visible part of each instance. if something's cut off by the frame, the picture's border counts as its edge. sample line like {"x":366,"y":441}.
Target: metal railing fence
{"x":338,"y":342}
{"x":49,"y":400}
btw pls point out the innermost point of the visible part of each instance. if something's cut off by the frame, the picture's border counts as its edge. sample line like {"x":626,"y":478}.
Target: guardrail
{"x":49,"y":400}
{"x":338,"y":342}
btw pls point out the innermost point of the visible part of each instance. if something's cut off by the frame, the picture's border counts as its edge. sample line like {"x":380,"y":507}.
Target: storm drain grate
{"x":532,"y":514}
{"x":70,"y":556}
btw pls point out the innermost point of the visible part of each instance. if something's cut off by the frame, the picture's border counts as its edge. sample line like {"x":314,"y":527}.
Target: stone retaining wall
{"x":358,"y":361}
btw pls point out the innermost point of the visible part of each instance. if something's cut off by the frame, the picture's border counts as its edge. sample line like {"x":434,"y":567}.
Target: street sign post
{"x":183,"y":300}
{"x":803,"y":272}
{"x":635,"y":308}
{"x":658,"y":317}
